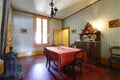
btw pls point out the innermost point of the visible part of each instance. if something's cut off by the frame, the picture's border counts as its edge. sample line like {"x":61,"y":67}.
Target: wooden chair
{"x":48,"y":57}
{"x":115,"y":55}
{"x":73,"y":45}
{"x":53,"y":45}
{"x":78,"y":60}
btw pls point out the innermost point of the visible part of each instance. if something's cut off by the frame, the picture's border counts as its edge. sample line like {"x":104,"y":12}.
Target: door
{"x":62,"y":36}
{"x":65,"y":36}
{"x":57,"y":36}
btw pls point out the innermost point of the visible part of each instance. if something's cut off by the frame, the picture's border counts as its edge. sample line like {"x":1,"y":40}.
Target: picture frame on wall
{"x":74,"y":31}
{"x":114,"y":23}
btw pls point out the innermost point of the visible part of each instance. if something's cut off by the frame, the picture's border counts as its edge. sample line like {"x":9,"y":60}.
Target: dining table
{"x":63,"y":55}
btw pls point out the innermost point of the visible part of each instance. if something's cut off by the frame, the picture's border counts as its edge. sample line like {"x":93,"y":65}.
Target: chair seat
{"x":116,"y":59}
{"x":77,"y":62}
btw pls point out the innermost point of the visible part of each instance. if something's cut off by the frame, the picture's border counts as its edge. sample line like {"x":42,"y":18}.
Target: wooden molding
{"x":33,"y":13}
{"x":23,"y":54}
{"x":82,"y":9}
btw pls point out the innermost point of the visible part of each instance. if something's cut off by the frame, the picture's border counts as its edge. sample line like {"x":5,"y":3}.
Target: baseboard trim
{"x":33,"y":53}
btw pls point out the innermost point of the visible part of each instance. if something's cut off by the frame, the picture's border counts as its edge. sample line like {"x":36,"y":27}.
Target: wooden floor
{"x":35,"y":69}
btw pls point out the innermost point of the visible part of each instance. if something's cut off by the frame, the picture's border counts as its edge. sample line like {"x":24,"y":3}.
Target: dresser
{"x":90,"y":41}
{"x":92,"y":49}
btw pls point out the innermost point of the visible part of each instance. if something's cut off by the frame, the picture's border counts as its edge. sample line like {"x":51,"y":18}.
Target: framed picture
{"x":74,"y":31}
{"x":114,"y":23}
{"x":22,"y":30}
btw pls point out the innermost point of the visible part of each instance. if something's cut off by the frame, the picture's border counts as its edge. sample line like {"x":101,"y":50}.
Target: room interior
{"x":73,"y":15}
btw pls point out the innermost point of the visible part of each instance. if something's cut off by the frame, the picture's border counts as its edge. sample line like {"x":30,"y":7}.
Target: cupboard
{"x":92,"y":49}
{"x":90,"y":41}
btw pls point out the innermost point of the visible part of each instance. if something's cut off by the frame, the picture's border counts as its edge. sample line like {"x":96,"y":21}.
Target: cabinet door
{"x":95,"y":51}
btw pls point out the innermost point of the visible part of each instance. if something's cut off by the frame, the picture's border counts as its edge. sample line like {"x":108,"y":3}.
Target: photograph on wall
{"x":114,"y":23}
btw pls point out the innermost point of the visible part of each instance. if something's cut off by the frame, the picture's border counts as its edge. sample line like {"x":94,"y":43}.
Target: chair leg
{"x":46,"y":62}
{"x":73,"y":72}
{"x":110,"y":64}
{"x":49,"y":64}
{"x":81,"y":68}
{"x":55,"y":64}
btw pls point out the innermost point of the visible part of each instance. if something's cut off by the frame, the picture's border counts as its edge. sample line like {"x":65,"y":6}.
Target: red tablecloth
{"x":63,"y":56}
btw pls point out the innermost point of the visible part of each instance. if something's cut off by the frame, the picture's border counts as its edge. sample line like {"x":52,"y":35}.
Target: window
{"x":41,"y":29}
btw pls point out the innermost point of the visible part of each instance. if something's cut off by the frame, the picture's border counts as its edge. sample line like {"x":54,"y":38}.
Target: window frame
{"x":36,"y":44}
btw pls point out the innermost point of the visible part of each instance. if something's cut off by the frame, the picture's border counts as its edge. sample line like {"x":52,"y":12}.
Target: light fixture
{"x":53,"y":9}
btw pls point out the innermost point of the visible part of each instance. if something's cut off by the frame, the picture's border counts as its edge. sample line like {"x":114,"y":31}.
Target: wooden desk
{"x":63,"y":56}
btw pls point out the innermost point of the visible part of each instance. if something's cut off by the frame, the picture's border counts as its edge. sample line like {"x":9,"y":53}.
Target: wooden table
{"x":62,"y":55}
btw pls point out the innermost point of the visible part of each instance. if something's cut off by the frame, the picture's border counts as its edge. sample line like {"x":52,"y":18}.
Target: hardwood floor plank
{"x":35,"y":69}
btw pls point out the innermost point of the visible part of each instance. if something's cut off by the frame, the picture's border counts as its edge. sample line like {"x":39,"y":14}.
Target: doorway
{"x":62,"y":36}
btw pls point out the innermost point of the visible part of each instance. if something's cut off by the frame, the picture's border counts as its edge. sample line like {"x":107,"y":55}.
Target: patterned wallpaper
{"x":98,"y":15}
{"x":24,"y":41}
{"x":54,"y":24}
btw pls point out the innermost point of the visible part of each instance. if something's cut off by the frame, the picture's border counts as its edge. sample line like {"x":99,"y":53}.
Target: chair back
{"x":115,"y":51}
{"x":78,"y":56}
{"x":46,"y":53}
{"x":53,"y":45}
{"x":73,"y":45}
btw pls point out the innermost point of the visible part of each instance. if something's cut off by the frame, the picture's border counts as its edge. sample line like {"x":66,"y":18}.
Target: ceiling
{"x":65,"y":7}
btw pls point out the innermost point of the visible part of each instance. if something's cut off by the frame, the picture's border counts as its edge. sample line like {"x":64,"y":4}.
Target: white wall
{"x":98,"y":15}
{"x":24,"y":41}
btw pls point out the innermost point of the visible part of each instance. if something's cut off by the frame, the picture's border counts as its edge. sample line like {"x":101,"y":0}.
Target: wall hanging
{"x":114,"y":23}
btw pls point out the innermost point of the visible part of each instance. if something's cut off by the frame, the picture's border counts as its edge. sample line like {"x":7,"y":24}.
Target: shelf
{"x":89,"y":35}
{"x":88,"y":41}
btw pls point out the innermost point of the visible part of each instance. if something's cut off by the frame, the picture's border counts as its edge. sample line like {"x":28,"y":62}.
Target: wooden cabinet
{"x":92,"y":49}
{"x":90,"y":41}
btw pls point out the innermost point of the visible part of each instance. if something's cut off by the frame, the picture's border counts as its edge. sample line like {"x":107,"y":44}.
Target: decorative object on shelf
{"x":53,"y":9}
{"x":88,"y":28}
{"x":114,"y":23}
{"x":89,"y":33}
{"x":73,"y":31}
